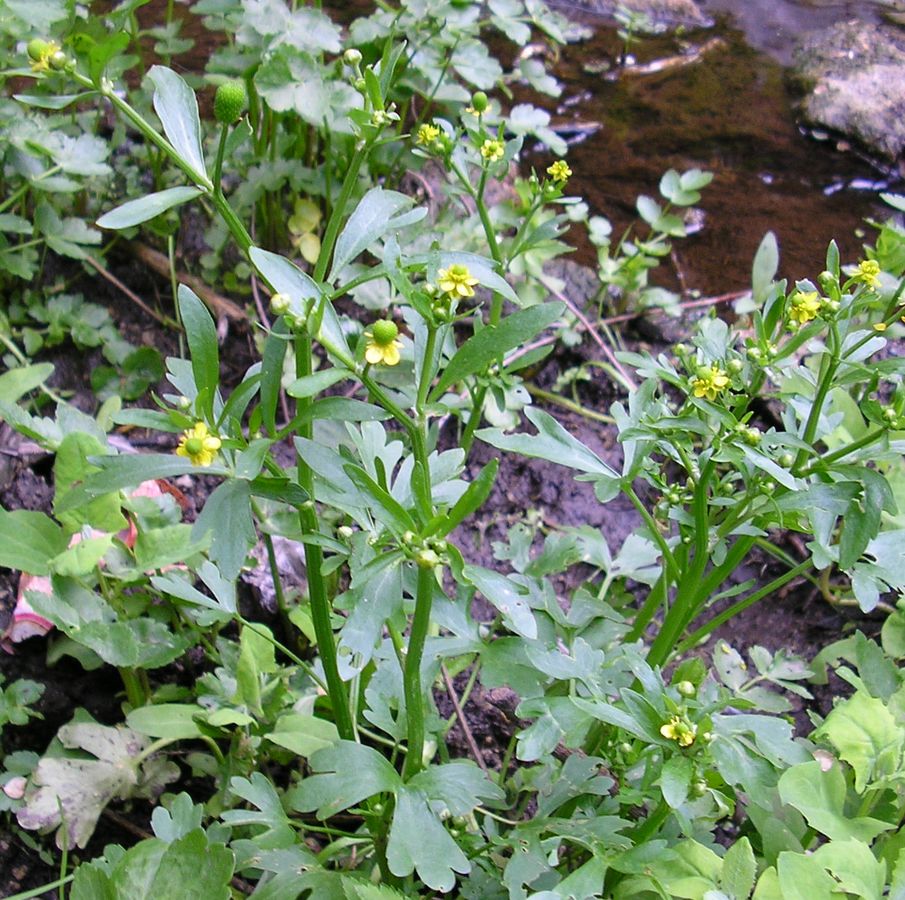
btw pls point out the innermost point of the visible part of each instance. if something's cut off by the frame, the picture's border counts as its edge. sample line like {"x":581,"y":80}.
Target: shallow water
{"x":730,"y":112}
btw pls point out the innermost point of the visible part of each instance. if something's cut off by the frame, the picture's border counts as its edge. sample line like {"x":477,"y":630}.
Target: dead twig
{"x":158,"y":262}
{"x":627,"y":380}
{"x":466,"y":728}
{"x":106,"y":273}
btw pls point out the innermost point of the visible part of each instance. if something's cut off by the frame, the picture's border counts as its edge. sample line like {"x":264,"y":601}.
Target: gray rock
{"x":854,"y":75}
{"x":663,"y":12}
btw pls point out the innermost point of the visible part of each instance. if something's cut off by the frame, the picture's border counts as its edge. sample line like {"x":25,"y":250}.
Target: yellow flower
{"x":426,"y":135}
{"x":710,"y":382}
{"x":456,"y":280}
{"x":880,"y":326}
{"x":492,"y":150}
{"x":868,"y":271}
{"x":679,"y":730}
{"x":382,"y":346}
{"x":198,"y":445}
{"x":559,"y":171}
{"x":804,"y":306}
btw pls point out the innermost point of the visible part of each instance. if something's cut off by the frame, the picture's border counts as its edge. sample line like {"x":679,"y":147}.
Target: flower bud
{"x":58,"y":61}
{"x":735,"y":366}
{"x":427,"y":559}
{"x":352,"y":57}
{"x":279,"y":304}
{"x":686,"y":688}
{"x":787,"y":460}
{"x":344,"y":532}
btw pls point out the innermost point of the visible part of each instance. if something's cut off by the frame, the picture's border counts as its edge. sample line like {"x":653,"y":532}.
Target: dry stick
{"x":628,"y":381}
{"x":466,"y":728}
{"x":106,"y":273}
{"x":218,"y":304}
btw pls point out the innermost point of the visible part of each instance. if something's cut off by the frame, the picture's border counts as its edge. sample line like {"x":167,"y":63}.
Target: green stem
{"x":134,"y":693}
{"x":314,"y":562}
{"x":427,"y":371}
{"x":339,"y":210}
{"x":854,"y":446}
{"x":565,"y":403}
{"x":828,"y":367}
{"x":414,"y":694}
{"x":736,"y":608}
{"x":218,"y":163}
{"x":669,"y":561}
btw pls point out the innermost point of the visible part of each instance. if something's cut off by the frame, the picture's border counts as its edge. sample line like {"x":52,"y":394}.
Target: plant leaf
{"x":177,"y":108}
{"x":134,"y":212}
{"x":492,"y":341}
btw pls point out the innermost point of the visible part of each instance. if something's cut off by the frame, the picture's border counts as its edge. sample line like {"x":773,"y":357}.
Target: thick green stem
{"x":727,"y":614}
{"x":314,"y":562}
{"x":339,"y":211}
{"x":132,"y":683}
{"x":427,"y":371}
{"x":414,"y":693}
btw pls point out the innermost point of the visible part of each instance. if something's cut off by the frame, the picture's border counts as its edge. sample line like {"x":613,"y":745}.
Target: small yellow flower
{"x":492,"y":150}
{"x":456,"y":280}
{"x":382,"y":345}
{"x":679,"y":730}
{"x":868,"y":271}
{"x":559,"y":171}
{"x":804,"y":306}
{"x":880,"y":326}
{"x":711,"y":381}
{"x":198,"y":445}
{"x":426,"y":135}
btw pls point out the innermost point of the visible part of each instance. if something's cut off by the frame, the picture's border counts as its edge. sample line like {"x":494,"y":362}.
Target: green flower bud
{"x":279,"y":304}
{"x":58,"y":61}
{"x":787,"y":460}
{"x":352,"y":57}
{"x":427,"y":559}
{"x":735,"y":366}
{"x":479,"y":101}
{"x":344,"y":532}
{"x":686,"y":688}
{"x":681,"y":349}
{"x":230,"y":101}
{"x":827,"y":281}
{"x":754,"y":354}
{"x":36,"y":49}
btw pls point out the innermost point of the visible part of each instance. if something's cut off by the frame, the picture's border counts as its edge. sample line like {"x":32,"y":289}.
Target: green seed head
{"x":479,"y":101}
{"x":230,"y":101}
{"x":384,"y":331}
{"x":194,"y":446}
{"x":36,"y":49}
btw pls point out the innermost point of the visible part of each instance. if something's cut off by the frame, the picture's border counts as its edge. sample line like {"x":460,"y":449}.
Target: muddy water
{"x":731,"y":112}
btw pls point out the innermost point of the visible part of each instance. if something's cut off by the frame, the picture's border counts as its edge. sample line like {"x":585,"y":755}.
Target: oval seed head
{"x":37,"y":49}
{"x":230,"y":101}
{"x":384,"y":332}
{"x":479,"y":101}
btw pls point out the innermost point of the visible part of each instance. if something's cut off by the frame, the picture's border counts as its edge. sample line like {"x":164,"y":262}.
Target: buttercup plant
{"x":321,"y":736}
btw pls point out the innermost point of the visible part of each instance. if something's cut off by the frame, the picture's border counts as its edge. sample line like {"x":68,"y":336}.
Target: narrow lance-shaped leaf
{"x":134,"y":212}
{"x":388,"y":509}
{"x":177,"y":108}
{"x":491,"y":342}
{"x":201,"y":334}
{"x":473,"y":497}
